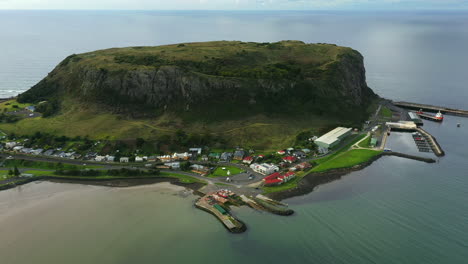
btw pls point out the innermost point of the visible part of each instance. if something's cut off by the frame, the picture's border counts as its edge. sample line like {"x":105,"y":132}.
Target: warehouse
{"x":415,"y":118}
{"x":333,"y":137}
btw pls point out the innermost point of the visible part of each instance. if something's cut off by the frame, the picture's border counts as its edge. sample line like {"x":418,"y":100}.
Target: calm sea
{"x":395,"y":211}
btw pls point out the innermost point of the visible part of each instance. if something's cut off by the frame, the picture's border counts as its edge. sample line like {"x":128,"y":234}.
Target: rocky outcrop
{"x":333,"y":86}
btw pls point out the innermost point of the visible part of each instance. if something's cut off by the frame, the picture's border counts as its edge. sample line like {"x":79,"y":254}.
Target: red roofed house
{"x":277,"y":178}
{"x":290,"y":159}
{"x":281,"y":152}
{"x":248,"y":160}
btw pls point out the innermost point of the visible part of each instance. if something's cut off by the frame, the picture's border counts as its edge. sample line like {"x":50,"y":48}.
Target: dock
{"x":432,"y":142}
{"x":409,"y":126}
{"x":433,"y":108}
{"x":232,"y":224}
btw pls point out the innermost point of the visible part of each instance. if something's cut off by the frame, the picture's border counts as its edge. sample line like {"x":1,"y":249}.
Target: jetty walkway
{"x":433,"y":108}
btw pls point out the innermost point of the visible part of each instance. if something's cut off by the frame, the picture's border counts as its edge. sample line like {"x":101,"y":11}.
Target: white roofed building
{"x":333,"y":137}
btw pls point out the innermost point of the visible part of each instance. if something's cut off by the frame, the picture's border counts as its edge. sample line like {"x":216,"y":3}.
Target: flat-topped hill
{"x":210,"y":83}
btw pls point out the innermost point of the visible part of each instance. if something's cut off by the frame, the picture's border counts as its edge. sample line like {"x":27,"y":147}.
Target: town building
{"x":333,"y":137}
{"x":278,"y":178}
{"x":239,"y":154}
{"x":124,"y":160}
{"x":18,"y":148}
{"x":264,"y":168}
{"x":289,"y":159}
{"x":198,"y":151}
{"x":299,"y":154}
{"x":30,"y":108}
{"x":248,"y":160}
{"x":37,"y":151}
{"x":152,"y":159}
{"x":49,"y":152}
{"x":173,"y":165}
{"x":214,"y":155}
{"x":281,"y":152}
{"x":301,"y":166}
{"x":226,"y":156}
{"x":165,"y":158}
{"x":181,"y":156}
{"x":100,"y":158}
{"x":138,"y":159}
{"x":200,"y":169}
{"x":10,"y":145}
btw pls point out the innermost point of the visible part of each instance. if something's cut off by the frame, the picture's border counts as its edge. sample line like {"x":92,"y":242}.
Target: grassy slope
{"x":348,"y":159}
{"x":259,"y":132}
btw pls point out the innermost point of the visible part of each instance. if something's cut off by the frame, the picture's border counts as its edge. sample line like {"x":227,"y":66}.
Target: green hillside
{"x":259,"y":94}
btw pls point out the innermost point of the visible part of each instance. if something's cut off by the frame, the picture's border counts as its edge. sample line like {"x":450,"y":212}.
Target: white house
{"x":197,"y":150}
{"x":138,"y":159}
{"x":173,"y":165}
{"x":18,"y":148}
{"x":10,"y":145}
{"x":264,"y":168}
{"x":124,"y":160}
{"x":181,"y":156}
{"x":100,"y":158}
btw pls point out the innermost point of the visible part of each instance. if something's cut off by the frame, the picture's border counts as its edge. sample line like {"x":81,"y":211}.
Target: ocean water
{"x":394,"y":211}
{"x":408,"y":56}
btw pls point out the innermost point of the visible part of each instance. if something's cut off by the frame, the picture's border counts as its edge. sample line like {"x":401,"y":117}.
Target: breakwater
{"x":432,"y":108}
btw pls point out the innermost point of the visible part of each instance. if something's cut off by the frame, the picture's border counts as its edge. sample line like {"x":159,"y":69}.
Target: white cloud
{"x":233,"y":4}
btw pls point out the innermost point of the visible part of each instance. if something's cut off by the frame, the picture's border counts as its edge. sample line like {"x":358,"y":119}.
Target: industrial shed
{"x":333,"y":137}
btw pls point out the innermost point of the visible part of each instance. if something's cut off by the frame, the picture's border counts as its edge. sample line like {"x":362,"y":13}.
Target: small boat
{"x":458,"y":125}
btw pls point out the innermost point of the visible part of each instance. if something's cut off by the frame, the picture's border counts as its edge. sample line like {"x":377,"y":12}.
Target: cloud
{"x":233,"y":4}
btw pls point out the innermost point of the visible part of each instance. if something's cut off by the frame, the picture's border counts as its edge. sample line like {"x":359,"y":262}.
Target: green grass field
{"x":385,"y":112}
{"x":219,"y":172}
{"x":365,"y":143}
{"x":347,"y":159}
{"x":9,"y":106}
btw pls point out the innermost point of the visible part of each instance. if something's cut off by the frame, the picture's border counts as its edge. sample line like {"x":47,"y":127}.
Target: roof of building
{"x":333,"y":135}
{"x":290,"y":158}
{"x":219,"y":208}
{"x":272,"y":181}
{"x":249,"y":158}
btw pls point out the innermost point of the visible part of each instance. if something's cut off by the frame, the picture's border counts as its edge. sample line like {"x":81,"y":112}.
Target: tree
{"x":185,"y":166}
{"x":16,"y":172}
{"x":10,"y":172}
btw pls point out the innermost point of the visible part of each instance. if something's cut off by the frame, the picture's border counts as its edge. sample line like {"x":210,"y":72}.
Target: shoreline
{"x":307,"y":184}
{"x":114,"y":183}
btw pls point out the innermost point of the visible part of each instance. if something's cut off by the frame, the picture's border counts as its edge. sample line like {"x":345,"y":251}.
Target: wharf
{"x":232,"y":224}
{"x":432,"y":108}
{"x":432,"y":142}
{"x":411,"y":126}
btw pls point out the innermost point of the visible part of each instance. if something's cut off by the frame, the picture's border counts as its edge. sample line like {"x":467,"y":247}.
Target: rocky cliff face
{"x":171,"y":87}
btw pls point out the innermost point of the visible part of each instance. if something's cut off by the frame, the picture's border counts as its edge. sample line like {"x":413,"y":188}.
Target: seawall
{"x":314,"y":179}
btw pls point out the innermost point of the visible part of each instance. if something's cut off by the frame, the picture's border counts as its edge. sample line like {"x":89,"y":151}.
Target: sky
{"x":238,"y":4}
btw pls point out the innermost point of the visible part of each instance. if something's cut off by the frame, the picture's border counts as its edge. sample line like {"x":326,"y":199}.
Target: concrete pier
{"x":432,"y":142}
{"x":432,"y":108}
